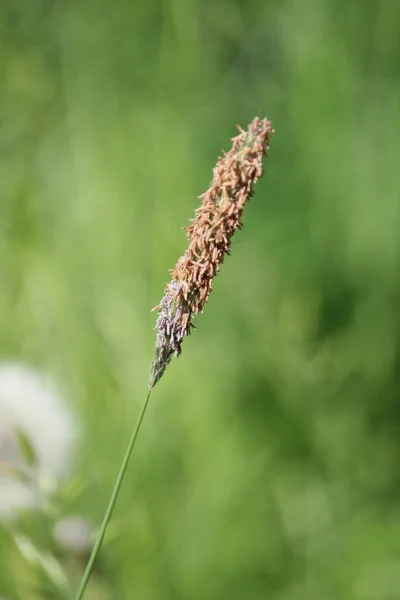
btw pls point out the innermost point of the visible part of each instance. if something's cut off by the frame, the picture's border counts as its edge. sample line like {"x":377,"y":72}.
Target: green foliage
{"x":26,"y":448}
{"x":267,"y":466}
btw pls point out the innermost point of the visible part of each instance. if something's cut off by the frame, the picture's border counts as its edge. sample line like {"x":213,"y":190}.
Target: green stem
{"x":111,"y":504}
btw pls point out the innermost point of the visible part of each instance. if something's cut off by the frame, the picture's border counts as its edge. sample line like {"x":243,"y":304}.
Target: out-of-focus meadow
{"x":268,"y":465}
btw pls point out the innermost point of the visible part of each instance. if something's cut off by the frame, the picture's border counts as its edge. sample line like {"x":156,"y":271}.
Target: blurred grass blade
{"x":26,"y":448}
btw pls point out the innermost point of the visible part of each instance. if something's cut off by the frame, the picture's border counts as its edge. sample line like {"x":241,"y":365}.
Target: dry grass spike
{"x":209,"y":235}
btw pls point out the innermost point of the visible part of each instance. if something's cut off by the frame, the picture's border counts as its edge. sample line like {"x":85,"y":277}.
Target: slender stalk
{"x":111,"y":504}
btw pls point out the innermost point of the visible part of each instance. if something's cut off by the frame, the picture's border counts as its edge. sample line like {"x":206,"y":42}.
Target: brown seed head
{"x":209,"y":237}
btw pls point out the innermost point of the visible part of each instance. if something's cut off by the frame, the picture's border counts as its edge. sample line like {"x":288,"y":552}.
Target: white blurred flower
{"x":30,"y":403}
{"x":73,"y":533}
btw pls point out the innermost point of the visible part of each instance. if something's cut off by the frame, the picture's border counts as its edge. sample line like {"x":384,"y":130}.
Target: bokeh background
{"x":268,"y":465}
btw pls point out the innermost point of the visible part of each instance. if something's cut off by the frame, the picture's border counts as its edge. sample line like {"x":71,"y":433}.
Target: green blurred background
{"x":268,"y":465}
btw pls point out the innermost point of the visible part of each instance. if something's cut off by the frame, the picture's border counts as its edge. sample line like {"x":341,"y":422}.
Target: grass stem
{"x":111,"y":504}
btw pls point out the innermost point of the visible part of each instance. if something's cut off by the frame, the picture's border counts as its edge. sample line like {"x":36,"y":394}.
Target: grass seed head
{"x":209,"y":235}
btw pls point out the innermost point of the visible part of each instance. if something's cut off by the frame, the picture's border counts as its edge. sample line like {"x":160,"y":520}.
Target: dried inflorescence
{"x":209,"y":240}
